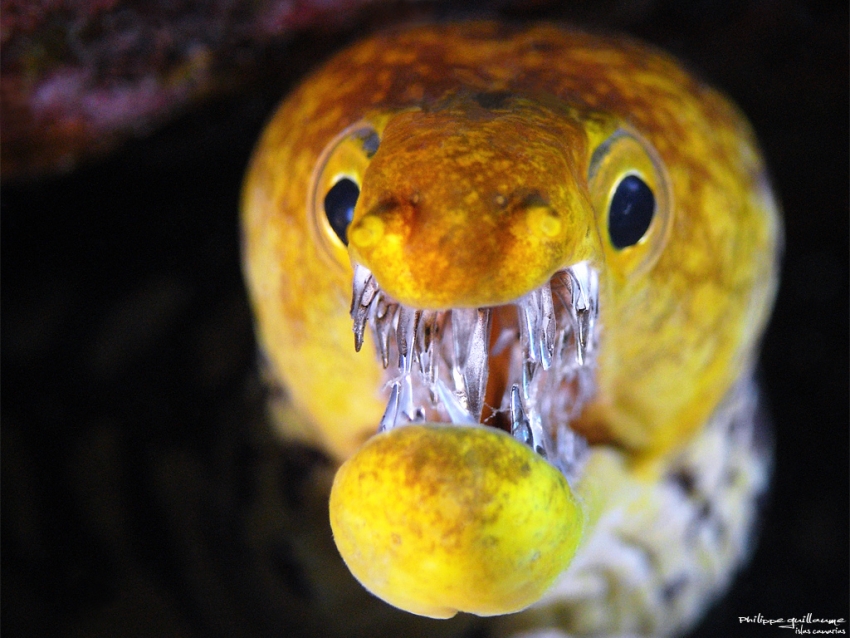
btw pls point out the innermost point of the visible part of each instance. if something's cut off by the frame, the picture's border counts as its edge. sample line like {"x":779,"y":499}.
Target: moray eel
{"x":557,"y":253}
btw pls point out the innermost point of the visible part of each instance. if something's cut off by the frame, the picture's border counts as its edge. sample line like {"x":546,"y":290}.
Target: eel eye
{"x":630,"y":212}
{"x":630,"y":192}
{"x":336,"y":186}
{"x":339,"y":206}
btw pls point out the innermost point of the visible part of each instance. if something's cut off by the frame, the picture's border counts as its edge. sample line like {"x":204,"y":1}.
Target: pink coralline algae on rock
{"x":80,"y":77}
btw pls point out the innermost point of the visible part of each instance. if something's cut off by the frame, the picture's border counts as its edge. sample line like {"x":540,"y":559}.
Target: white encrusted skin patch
{"x":663,"y":550}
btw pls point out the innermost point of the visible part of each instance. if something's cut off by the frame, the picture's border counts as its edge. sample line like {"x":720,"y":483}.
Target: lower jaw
{"x":438,"y":518}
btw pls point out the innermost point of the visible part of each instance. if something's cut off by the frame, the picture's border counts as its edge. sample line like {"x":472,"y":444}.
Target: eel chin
{"x":436,"y":519}
{"x":462,"y":502}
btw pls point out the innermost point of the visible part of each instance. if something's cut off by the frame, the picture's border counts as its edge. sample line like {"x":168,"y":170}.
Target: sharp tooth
{"x":457,"y":412}
{"x":526,"y":425}
{"x":457,"y":379}
{"x":388,"y":421}
{"x":477,"y":363}
{"x":432,"y":383}
{"x":581,"y":345}
{"x":536,"y":318}
{"x":561,"y":343}
{"x":406,"y":331}
{"x":529,"y":368}
{"x":536,"y":333}
{"x":528,"y":308}
{"x":435,"y":351}
{"x":471,"y":338}
{"x":568,"y":325}
{"x":547,"y":326}
{"x":362,"y":276}
{"x":584,"y":288}
{"x":405,"y":364}
{"x":426,"y":363}
{"x":359,"y":324}
{"x":423,"y":339}
{"x":405,"y":401}
{"x":425,"y":330}
{"x":585,"y":278}
{"x":383,"y":325}
{"x":520,"y":428}
{"x":463,"y":325}
{"x":563,"y":292}
{"x":541,"y":441}
{"x":382,"y":307}
{"x":364,"y":289}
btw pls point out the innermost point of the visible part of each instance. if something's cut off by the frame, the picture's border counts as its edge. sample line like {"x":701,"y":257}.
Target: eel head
{"x":493,"y":211}
{"x":477,"y":260}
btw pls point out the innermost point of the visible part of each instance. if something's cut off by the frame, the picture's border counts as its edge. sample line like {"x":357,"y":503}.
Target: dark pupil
{"x":339,"y":206}
{"x":631,"y":211}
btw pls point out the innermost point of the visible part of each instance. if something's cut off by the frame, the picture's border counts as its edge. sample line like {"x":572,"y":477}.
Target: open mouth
{"x":526,"y":367}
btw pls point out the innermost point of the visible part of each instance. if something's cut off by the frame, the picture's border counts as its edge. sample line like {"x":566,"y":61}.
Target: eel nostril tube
{"x":545,"y":221}
{"x":367,"y":232}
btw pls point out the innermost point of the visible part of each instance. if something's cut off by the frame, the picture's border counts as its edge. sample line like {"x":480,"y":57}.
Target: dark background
{"x":138,"y":472}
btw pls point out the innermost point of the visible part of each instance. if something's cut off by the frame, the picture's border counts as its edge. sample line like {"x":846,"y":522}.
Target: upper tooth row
{"x":579,"y":295}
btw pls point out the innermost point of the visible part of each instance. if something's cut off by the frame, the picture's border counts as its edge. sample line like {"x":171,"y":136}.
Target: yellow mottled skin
{"x":498,"y":150}
{"x":475,"y":156}
{"x":469,"y":506}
